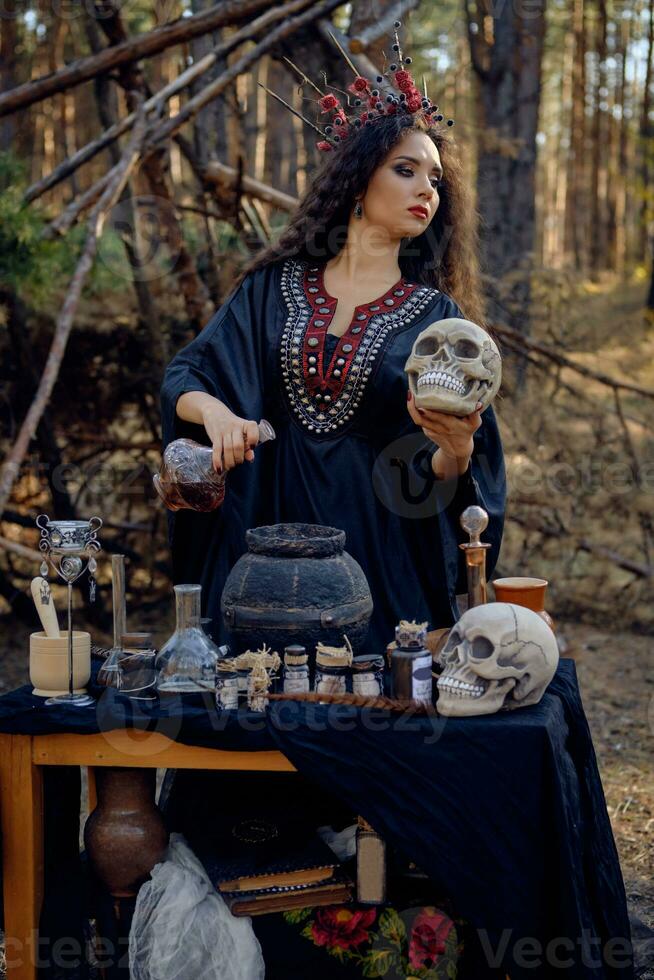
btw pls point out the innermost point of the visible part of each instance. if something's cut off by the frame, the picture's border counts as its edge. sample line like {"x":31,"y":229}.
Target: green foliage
{"x":391,"y":926}
{"x":378,"y":962}
{"x":33,"y":266}
{"x":28,"y":263}
{"x":295,"y":916}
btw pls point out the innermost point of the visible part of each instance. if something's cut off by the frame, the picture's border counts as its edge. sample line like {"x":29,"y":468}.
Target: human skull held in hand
{"x":453,"y":365}
{"x":497,"y":655}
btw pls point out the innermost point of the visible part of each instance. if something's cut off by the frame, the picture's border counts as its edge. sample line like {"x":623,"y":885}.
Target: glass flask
{"x":187,"y":478}
{"x":186,"y":663}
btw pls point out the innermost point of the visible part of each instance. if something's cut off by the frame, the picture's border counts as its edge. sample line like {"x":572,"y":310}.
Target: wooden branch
{"x":156,"y":101}
{"x":381,"y":27}
{"x":20,"y":549}
{"x":361,"y":61}
{"x":170,"y":126}
{"x":13,"y":462}
{"x":69,"y":216}
{"x":638,"y":568}
{"x":224,"y":176}
{"x":545,"y":350}
{"x":179,"y":31}
{"x":583,"y":544}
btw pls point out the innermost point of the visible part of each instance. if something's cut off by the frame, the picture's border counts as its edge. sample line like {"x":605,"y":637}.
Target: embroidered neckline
{"x":325,"y":387}
{"x":398,"y":289}
{"x":324,"y":403}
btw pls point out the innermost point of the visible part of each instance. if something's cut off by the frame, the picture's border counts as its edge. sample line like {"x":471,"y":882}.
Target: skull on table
{"x":453,"y":365}
{"x":497,"y":656}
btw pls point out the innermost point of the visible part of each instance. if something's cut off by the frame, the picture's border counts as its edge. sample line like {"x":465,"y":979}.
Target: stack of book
{"x":260,"y":864}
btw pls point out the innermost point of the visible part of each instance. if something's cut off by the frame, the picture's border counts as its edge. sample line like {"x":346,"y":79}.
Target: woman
{"x":315,"y":339}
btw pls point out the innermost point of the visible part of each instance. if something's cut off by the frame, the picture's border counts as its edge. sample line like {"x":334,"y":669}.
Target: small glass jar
{"x":136,"y":662}
{"x":226,"y":688}
{"x":367,"y":676}
{"x":332,"y":672}
{"x":295,"y":678}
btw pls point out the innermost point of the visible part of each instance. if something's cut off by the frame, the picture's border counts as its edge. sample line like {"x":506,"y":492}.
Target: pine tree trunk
{"x":598,"y":149}
{"x":576,"y":204}
{"x":506,"y":50}
{"x":646,"y":135}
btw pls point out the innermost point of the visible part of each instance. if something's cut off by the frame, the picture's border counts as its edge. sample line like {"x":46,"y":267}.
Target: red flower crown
{"x":394,"y":92}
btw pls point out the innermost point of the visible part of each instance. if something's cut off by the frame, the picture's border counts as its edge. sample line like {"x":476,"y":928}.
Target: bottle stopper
{"x":474,"y":520}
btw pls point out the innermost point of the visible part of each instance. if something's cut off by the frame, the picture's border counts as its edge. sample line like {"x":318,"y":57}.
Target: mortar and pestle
{"x":49,"y":650}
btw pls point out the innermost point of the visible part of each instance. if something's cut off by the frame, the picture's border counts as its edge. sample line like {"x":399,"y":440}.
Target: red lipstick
{"x":419,"y":211}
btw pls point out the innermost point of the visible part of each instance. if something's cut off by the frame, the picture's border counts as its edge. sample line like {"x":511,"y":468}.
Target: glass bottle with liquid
{"x":187,"y":478}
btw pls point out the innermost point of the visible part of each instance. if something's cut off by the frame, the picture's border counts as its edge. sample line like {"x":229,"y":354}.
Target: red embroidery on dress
{"x":329,"y":385}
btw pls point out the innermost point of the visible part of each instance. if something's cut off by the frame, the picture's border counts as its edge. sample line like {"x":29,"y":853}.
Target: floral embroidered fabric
{"x":418,"y":943}
{"x":324,"y":392}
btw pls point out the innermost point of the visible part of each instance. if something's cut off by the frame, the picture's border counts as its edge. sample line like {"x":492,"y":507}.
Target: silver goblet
{"x":70,"y":547}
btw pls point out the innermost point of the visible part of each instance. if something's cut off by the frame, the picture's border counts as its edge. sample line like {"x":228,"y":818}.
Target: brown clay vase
{"x":524,"y":591}
{"x":125,"y":836}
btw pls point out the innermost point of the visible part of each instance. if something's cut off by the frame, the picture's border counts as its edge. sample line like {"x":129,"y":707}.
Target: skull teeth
{"x":461,"y":688}
{"x":441,"y":379}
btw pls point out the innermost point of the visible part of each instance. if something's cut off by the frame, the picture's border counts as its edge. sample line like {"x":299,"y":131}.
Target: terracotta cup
{"x":49,"y":663}
{"x":524,"y":591}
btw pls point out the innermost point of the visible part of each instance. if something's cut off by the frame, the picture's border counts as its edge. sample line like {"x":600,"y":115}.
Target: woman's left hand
{"x":451,"y":433}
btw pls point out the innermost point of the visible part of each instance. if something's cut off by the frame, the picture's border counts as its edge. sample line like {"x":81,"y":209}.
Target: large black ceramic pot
{"x":296,"y":584}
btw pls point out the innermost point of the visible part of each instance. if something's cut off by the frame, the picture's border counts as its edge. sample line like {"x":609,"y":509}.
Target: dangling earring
{"x":358,"y":210}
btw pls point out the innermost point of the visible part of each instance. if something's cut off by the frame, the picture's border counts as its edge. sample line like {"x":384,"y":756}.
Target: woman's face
{"x":402,"y":196}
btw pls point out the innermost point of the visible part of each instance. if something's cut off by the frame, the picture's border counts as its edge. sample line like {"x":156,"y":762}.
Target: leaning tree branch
{"x":108,"y":198}
{"x":637,"y":568}
{"x":224,"y":176}
{"x":361,"y":61}
{"x":183,"y":29}
{"x":156,"y":101}
{"x":382,"y":26}
{"x":170,"y":127}
{"x":516,"y":339}
{"x":6,"y":544}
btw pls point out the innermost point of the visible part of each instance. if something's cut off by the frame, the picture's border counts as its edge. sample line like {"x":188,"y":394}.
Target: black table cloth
{"x":505,"y":813}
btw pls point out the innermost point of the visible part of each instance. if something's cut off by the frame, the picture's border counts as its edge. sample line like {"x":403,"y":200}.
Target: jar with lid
{"x":332,"y":672}
{"x":295,"y":677}
{"x":226,"y":686}
{"x":411,"y":663}
{"x":367,"y":676}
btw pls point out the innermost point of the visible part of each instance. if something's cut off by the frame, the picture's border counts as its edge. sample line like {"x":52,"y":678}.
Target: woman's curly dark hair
{"x":445,"y":255}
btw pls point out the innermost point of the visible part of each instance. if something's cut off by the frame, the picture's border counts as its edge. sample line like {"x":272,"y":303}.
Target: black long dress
{"x":347,"y":453}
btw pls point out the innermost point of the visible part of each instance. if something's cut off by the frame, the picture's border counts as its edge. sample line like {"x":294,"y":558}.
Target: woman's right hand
{"x":233,"y":438}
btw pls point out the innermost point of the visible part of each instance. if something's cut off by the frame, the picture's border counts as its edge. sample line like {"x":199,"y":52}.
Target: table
{"x":22,"y":758}
{"x":505,"y":813}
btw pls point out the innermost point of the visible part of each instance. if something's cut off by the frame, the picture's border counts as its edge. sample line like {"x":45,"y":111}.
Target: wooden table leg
{"x":21,"y":819}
